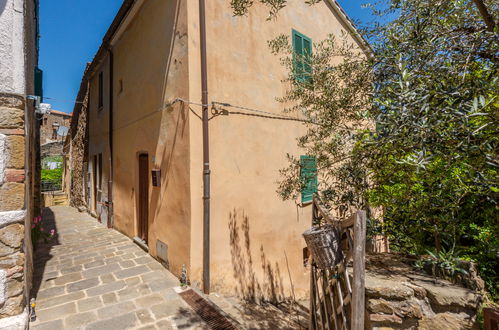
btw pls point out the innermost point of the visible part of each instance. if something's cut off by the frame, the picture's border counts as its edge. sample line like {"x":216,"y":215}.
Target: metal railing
{"x":51,"y":185}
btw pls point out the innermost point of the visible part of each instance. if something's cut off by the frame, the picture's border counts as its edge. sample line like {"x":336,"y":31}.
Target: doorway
{"x":143,"y":197}
{"x":94,"y":185}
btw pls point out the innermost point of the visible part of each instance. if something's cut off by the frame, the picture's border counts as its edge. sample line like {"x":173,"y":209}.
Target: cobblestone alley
{"x":91,"y":277}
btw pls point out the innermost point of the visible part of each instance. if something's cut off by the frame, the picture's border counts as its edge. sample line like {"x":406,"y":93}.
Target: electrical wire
{"x":60,"y":100}
{"x":252,"y":110}
{"x":213,"y":104}
{"x":266,"y":114}
{"x":259,"y":113}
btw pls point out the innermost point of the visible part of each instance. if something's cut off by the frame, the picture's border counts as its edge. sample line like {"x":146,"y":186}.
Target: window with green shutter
{"x":302,"y":47}
{"x":39,"y":83}
{"x":308,"y":175}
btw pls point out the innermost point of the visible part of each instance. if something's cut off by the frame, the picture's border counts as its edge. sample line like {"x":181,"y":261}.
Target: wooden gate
{"x":336,"y":297}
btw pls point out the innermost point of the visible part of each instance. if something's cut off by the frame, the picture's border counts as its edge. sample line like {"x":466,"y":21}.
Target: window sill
{"x":303,"y":204}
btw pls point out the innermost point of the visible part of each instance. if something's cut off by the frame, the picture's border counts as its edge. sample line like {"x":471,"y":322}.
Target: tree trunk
{"x":438,"y":244}
{"x":487,"y":17}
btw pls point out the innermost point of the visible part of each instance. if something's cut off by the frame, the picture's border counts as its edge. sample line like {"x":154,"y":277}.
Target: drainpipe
{"x":110,"y":179}
{"x":206,"y":150}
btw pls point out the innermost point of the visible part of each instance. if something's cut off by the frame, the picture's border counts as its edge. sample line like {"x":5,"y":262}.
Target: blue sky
{"x":71,"y":32}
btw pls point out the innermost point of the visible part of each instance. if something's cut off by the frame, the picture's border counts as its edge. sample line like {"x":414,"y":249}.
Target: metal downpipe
{"x":206,"y":150}
{"x":110,"y":209}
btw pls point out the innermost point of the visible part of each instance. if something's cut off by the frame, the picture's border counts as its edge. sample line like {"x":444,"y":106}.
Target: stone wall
{"x":12,"y":206}
{"x":52,"y":149}
{"x":47,"y":127}
{"x":19,"y":146}
{"x":397,"y":297}
{"x":76,"y":162}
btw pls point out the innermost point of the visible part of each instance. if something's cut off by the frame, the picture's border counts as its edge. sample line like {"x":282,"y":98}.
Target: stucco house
{"x":147,"y":150}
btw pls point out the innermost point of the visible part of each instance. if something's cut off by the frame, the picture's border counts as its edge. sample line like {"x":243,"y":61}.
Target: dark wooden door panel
{"x":143,"y":196}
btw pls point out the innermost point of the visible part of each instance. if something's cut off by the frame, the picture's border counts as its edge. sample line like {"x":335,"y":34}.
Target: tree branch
{"x":487,"y":17}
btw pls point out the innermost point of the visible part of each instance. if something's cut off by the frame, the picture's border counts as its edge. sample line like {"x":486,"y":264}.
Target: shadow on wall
{"x":250,"y":287}
{"x":3,"y":4}
{"x":41,"y":253}
{"x":168,"y":156}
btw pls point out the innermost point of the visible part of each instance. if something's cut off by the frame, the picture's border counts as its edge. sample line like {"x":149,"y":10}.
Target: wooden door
{"x":143,"y":196}
{"x":94,"y":183}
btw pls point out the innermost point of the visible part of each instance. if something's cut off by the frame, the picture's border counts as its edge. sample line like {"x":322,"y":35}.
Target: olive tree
{"x":412,"y":128}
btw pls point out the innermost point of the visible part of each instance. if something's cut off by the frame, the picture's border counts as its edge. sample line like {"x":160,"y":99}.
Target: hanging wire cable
{"x":164,"y":107}
{"x":249,"y":112}
{"x":266,"y":114}
{"x":252,"y":110}
{"x":60,"y":100}
{"x":224,"y":104}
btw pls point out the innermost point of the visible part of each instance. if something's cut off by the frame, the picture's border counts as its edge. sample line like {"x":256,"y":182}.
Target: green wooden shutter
{"x":302,"y":47}
{"x":308,"y":176}
{"x":37,"y":31}
{"x":307,"y":50}
{"x":39,"y":83}
{"x":298,"y":53}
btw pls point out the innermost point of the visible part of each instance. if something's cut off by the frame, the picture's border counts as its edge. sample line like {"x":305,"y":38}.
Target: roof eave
{"x":350,"y":26}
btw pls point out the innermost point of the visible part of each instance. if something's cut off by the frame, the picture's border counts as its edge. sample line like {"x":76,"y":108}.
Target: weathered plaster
{"x":18,"y":322}
{"x":255,"y":236}
{"x":3,"y":286}
{"x":18,"y":145}
{"x":6,"y":218}
{"x":156,"y":38}
{"x":99,"y":139}
{"x":12,"y":65}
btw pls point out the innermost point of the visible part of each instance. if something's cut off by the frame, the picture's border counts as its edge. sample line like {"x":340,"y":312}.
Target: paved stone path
{"x":91,"y":277}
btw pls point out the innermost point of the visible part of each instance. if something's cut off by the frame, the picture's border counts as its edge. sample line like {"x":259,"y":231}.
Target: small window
{"x":101,"y":90}
{"x":54,"y":134}
{"x":302,"y":47}
{"x":308,"y":177}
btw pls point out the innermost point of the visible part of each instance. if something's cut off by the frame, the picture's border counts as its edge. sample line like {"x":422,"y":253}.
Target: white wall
{"x":12,"y":70}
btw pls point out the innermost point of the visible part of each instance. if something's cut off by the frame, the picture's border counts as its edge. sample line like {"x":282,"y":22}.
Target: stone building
{"x":19,"y":147}
{"x":54,"y":126}
{"x":75,"y":152}
{"x":146,"y":140}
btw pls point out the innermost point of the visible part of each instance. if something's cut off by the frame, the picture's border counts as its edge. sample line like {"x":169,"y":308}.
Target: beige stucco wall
{"x":150,"y":60}
{"x":98,"y":118}
{"x":255,"y":236}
